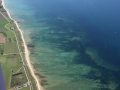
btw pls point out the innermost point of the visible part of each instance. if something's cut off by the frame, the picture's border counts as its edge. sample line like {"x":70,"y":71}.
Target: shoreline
{"x":27,"y":59}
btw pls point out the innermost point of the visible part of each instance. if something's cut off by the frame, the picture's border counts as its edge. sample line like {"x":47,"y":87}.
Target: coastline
{"x":27,"y":59}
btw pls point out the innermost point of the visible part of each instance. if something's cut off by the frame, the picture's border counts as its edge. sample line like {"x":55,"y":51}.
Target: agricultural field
{"x":3,"y":22}
{"x":12,"y":65}
{"x":12,"y":50}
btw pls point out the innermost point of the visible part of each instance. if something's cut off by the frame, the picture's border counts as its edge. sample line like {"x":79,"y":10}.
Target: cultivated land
{"x":12,"y":57}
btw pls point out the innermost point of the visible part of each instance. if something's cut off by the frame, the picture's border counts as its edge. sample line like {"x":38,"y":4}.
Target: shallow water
{"x":74,"y":45}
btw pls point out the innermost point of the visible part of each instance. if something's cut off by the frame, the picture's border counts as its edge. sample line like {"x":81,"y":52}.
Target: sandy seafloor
{"x":74,"y":45}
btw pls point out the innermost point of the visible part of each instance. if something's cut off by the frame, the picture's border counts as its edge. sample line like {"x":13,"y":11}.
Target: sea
{"x":74,"y":44}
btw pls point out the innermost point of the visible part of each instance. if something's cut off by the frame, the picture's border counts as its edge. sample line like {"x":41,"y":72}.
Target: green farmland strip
{"x":3,"y":22}
{"x":7,"y":76}
{"x":11,"y":48}
{"x":26,"y":88}
{"x":11,"y":35}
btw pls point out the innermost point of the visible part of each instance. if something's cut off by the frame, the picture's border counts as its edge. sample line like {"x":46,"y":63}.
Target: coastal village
{"x":12,"y":60}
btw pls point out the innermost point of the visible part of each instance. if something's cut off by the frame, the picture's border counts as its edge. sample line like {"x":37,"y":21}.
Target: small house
{"x":12,"y":28}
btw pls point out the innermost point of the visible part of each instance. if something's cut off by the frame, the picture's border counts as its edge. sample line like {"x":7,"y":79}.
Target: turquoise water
{"x":74,"y":45}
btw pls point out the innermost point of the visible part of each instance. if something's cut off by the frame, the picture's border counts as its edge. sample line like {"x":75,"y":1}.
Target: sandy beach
{"x":26,"y":52}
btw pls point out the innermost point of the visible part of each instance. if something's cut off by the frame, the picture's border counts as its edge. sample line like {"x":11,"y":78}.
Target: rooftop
{"x":2,"y":40}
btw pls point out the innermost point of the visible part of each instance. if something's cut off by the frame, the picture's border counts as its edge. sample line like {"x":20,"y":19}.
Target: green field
{"x":3,"y":60}
{"x":12,"y":62}
{"x":27,"y":88}
{"x":3,"y":22}
{"x":10,"y":58}
{"x":11,"y":48}
{"x":7,"y":74}
{"x":11,"y":35}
